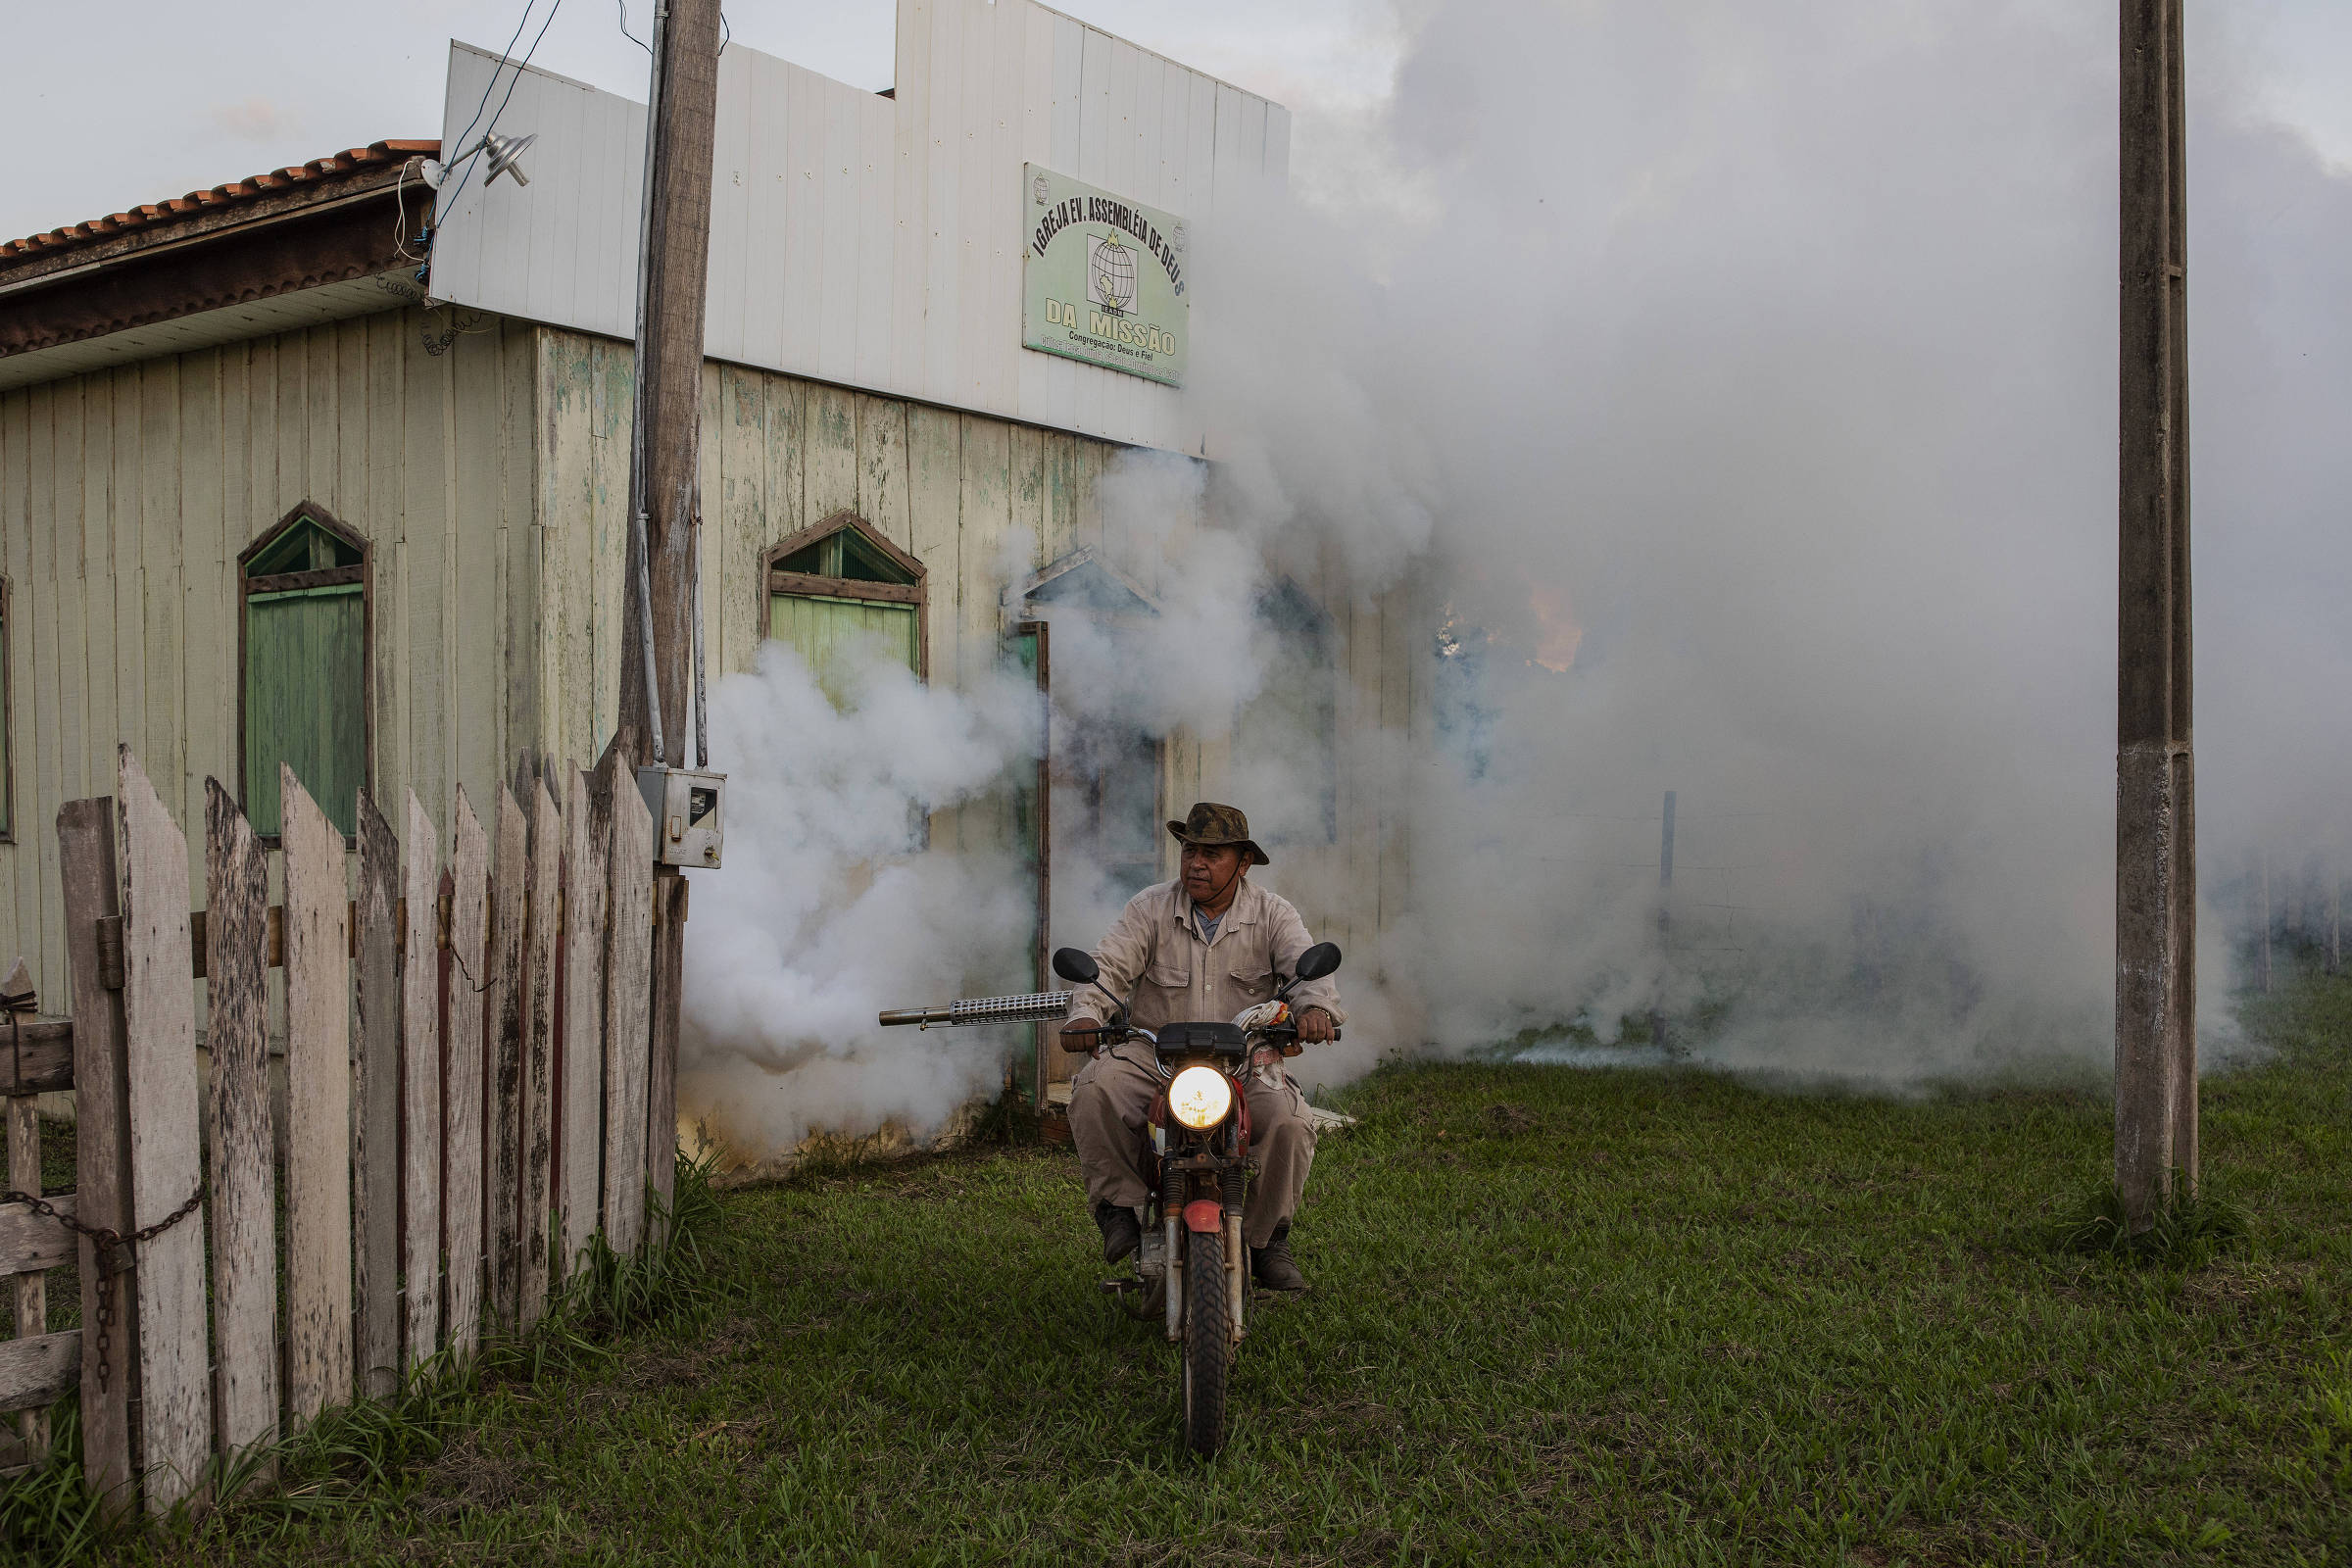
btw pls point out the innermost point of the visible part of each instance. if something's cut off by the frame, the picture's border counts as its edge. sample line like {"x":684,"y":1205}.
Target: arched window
{"x":842,"y":580}
{"x":303,"y":645}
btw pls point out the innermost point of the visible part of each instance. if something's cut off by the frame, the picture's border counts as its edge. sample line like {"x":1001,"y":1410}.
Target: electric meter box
{"x":689,"y":812}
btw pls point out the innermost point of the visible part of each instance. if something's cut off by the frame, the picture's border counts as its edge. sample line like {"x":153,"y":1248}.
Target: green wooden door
{"x":818,"y":625}
{"x":1023,"y":653}
{"x":306,"y":671}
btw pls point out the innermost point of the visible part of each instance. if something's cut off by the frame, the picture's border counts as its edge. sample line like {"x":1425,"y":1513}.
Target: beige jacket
{"x":1188,"y":980}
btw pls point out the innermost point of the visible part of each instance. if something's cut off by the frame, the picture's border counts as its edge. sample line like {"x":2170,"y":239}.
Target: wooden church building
{"x":330,"y":466}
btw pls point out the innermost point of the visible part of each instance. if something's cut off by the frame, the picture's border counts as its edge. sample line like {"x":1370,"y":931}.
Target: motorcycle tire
{"x":1207,"y":1345}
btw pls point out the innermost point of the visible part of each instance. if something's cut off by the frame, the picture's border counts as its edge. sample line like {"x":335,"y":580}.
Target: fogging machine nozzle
{"x":1033,"y":1009}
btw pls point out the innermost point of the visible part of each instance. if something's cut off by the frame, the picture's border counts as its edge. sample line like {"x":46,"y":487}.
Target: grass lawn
{"x":1557,"y":1316}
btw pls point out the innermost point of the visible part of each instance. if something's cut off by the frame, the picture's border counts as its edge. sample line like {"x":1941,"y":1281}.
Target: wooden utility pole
{"x":2335,"y":917}
{"x":2155,"y":815}
{"x":2262,"y":966}
{"x":1657,"y":1015}
{"x":673,"y":275}
{"x":663,"y":653}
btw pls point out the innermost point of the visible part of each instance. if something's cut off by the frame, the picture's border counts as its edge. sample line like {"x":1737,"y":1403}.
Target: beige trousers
{"x":1111,"y":1098}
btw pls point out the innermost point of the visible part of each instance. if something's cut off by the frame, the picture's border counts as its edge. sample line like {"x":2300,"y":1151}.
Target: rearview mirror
{"x":1078,"y":967}
{"x":1317,"y":961}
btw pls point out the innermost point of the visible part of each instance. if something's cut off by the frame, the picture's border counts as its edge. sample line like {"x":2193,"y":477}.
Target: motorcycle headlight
{"x":1199,"y":1097}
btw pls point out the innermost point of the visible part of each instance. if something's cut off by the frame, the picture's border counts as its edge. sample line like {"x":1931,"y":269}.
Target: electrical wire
{"x":492,"y":85}
{"x":473,"y":157}
{"x":624,"y":28}
{"x":399,"y":214}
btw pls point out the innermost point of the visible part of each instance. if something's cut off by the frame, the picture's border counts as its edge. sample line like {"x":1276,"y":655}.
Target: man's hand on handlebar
{"x":1080,"y":1035}
{"x":1314,"y":1026}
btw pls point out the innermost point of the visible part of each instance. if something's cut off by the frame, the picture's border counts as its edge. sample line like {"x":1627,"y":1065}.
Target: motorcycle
{"x":1192,"y":1272}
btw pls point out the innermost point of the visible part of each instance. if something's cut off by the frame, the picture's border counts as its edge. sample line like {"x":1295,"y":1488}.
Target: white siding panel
{"x":1003,"y":205}
{"x":1201,"y":140}
{"x":1069,"y":62}
{"x":877,"y":156}
{"x":1119,"y":171}
{"x":804,"y":268}
{"x":1276,"y":173}
{"x":555,"y":224}
{"x":1175,"y":114}
{"x":741,"y":83}
{"x":969,"y":240}
{"x":766,"y":171}
{"x":619,"y":219}
{"x":837,"y":180}
{"x":911,"y":200}
{"x":945,"y":155}
{"x":1042,"y":109}
{"x":875,"y":243}
{"x":1094,"y":109}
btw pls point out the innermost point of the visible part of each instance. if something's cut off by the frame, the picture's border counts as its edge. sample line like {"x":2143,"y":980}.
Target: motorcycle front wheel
{"x":1208,"y":1343}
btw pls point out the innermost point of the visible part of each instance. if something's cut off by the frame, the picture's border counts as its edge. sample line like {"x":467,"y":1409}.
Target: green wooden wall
{"x":126,"y":498}
{"x":488,"y":470}
{"x":960,"y":492}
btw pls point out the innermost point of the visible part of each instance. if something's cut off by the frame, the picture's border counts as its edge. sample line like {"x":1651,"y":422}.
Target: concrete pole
{"x":2155,"y":822}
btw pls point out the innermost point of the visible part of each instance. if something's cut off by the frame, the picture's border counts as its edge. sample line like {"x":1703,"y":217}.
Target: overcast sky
{"x":144,"y":99}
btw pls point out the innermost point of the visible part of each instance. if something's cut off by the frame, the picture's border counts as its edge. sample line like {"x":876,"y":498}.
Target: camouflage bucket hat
{"x":1211,"y":825}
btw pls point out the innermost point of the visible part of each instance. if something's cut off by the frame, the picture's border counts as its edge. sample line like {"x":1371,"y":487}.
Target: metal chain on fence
{"x":115,"y":1251}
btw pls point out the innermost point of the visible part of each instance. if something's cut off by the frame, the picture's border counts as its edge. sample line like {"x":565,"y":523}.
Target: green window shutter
{"x":306,"y":700}
{"x":818,"y":625}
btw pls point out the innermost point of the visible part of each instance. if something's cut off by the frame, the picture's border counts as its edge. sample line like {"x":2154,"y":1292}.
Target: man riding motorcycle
{"x":1202,"y":948}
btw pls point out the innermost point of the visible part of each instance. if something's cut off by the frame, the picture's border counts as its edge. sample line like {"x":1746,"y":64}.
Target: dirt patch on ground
{"x":1509,"y":1121}
{"x":471,"y":1474}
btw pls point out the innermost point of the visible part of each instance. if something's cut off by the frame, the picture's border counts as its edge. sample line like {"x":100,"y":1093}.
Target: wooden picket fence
{"x":480,"y":1067}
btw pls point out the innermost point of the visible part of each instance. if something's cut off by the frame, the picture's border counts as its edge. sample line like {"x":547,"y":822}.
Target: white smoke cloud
{"x":829,"y":909}
{"x":1726,"y":397}
{"x":1757,"y":366}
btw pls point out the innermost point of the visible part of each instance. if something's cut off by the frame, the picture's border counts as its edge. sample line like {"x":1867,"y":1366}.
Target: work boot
{"x":1271,"y":1265}
{"x":1122,"y":1233}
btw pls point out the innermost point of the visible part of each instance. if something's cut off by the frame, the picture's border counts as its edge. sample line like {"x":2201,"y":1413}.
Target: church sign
{"x":1102,"y":278}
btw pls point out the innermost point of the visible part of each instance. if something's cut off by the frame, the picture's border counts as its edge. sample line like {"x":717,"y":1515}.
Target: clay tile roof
{"x":379,"y":156}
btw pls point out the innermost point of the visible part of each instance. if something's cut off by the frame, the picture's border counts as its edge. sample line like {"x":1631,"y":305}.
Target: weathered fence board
{"x":237,"y":1125}
{"x":318,"y":1361}
{"x":38,"y":1370}
{"x":628,"y":999}
{"x":159,"y":1014}
{"x":39,"y":1059}
{"x":511,"y":906}
{"x":91,"y":893}
{"x":661,"y":1051}
{"x":31,"y":1290}
{"x":539,"y":1051}
{"x":587,"y":830}
{"x":420,"y":1090}
{"x":376,"y":1090}
{"x":29,"y":1241}
{"x":449,"y":1160}
{"x":468,"y":938}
